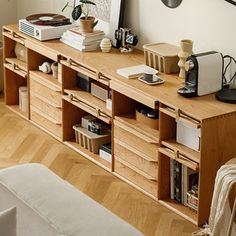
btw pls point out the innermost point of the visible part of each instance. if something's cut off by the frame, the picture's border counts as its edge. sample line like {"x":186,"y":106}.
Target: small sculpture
{"x":45,"y":67}
{"x":105,"y":45}
{"x":186,"y":51}
{"x":54,"y":68}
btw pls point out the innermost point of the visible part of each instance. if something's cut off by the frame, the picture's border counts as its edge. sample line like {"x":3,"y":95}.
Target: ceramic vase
{"x":106,"y":45}
{"x":186,"y":50}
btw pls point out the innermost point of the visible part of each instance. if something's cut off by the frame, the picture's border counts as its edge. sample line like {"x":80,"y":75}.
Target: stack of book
{"x":82,"y":41}
{"x":183,"y":184}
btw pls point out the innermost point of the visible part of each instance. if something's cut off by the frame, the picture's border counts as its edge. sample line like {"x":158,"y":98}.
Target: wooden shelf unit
{"x":140,"y":155}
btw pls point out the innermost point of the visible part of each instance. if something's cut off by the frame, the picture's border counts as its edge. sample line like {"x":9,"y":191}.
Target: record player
{"x":44,"y":26}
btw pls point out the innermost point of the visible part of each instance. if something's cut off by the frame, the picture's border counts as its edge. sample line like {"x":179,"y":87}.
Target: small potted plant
{"x":81,"y":12}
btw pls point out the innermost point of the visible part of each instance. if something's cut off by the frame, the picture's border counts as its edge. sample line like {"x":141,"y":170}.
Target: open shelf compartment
{"x":69,"y":136}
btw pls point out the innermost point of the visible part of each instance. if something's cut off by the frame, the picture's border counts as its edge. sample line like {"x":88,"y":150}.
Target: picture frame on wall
{"x":109,"y":14}
{"x":232,"y":2}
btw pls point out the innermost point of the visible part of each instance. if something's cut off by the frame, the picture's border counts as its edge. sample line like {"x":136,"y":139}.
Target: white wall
{"x":28,"y":7}
{"x":209,"y":23}
{"x":8,"y":12}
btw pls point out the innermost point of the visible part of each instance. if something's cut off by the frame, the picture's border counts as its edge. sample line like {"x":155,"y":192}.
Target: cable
{"x":231,"y":59}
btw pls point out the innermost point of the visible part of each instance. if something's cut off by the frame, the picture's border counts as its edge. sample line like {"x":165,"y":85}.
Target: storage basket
{"x":162,"y":56}
{"x":89,"y":140}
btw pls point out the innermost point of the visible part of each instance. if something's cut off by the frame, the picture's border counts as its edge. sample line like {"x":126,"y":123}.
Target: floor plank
{"x":22,"y":142}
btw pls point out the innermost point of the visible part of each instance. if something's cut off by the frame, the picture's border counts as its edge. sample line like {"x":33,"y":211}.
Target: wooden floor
{"x":22,"y":142}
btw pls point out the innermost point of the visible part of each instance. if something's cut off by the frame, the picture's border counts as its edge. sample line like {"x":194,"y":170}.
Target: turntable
{"x":44,"y":26}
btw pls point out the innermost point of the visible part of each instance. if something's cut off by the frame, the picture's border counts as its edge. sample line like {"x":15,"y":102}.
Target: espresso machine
{"x":203,"y":74}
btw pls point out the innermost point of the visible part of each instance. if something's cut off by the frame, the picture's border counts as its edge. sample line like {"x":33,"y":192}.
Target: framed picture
{"x":232,"y":1}
{"x":110,"y":16}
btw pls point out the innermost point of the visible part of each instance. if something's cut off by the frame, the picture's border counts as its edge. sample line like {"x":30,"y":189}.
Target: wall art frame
{"x":110,"y":14}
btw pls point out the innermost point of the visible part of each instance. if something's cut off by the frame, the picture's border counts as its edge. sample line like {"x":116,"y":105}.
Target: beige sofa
{"x":46,"y":205}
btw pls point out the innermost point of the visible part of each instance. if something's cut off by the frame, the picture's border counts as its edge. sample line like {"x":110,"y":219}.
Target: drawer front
{"x":42,"y":121}
{"x":48,"y":95}
{"x":54,"y":112}
{"x":149,"y":186}
{"x":148,"y":149}
{"x":139,"y":163}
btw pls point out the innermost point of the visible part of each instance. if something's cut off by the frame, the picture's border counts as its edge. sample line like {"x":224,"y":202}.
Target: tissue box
{"x":188,"y":136}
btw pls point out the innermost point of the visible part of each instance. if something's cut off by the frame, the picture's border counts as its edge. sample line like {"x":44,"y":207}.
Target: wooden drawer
{"x":142,"y":147}
{"x":144,"y":166}
{"x":46,"y":122}
{"x":46,"y":94}
{"x":54,"y":112}
{"x":147,"y":185}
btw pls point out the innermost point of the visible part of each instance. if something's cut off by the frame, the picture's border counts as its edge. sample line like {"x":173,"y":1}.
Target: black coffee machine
{"x":203,"y":74}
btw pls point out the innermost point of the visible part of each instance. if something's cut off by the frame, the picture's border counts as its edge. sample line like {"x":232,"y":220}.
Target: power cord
{"x":231,"y":59}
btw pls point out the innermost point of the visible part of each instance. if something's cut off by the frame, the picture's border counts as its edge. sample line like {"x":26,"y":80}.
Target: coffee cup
{"x":148,"y":76}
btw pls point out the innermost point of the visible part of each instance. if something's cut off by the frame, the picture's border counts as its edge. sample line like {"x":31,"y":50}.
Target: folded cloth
{"x":220,"y":213}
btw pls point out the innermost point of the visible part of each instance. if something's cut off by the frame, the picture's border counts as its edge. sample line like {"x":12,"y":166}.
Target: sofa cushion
{"x":63,"y":206}
{"x":8,"y":222}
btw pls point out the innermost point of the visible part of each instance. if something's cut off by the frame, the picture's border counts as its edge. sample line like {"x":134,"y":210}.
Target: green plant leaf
{"x":94,"y":23}
{"x":87,"y":2}
{"x":76,"y":13}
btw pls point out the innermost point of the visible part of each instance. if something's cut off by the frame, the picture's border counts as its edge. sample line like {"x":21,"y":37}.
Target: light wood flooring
{"x":22,"y":142}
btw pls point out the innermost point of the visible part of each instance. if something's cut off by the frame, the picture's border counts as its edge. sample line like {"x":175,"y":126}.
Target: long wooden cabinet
{"x":141,"y":155}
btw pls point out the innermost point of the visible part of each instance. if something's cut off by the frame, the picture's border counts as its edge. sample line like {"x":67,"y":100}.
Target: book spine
{"x":172,"y":179}
{"x":178,"y":182}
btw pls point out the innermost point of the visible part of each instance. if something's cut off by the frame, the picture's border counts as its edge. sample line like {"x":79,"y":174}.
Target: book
{"x":172,"y":176}
{"x":81,"y":38}
{"x":78,"y":46}
{"x":135,"y":71}
{"x":65,"y":36}
{"x":178,"y":182}
{"x":96,"y":35}
{"x":76,"y":30}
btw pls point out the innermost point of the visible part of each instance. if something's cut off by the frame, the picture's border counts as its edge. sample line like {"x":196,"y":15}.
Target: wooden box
{"x":89,"y":140}
{"x":162,"y":56}
{"x":99,"y":90}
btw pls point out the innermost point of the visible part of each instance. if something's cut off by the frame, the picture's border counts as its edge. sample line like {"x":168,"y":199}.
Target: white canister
{"x":106,"y":45}
{"x":23,"y":99}
{"x":20,"y":51}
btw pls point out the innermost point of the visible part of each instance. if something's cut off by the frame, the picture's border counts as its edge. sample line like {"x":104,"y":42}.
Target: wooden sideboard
{"x":140,"y":154}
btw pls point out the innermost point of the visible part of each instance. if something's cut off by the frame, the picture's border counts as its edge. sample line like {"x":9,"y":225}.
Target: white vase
{"x":106,"y":45}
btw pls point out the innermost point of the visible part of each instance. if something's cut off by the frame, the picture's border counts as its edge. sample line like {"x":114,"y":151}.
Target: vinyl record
{"x":46,"y":19}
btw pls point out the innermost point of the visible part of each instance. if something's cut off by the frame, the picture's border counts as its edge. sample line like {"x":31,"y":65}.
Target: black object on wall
{"x":172,"y":3}
{"x":232,"y":2}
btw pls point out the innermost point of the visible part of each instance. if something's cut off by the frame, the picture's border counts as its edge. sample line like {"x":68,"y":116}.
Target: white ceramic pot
{"x":106,"y":45}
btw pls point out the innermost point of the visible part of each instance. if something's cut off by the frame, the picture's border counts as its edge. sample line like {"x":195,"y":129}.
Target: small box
{"x":162,"y":56}
{"x":89,"y":140}
{"x":86,"y":119}
{"x":83,"y":82}
{"x":105,"y":152}
{"x":192,"y":200}
{"x":188,"y":136}
{"x":109,"y":104}
{"x":99,"y":90}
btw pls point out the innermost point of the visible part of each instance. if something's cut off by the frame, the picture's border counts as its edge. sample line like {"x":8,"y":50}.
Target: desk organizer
{"x":162,"y":56}
{"x":89,"y":140}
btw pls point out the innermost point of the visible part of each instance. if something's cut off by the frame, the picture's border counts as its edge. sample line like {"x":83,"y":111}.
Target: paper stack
{"x":82,"y":41}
